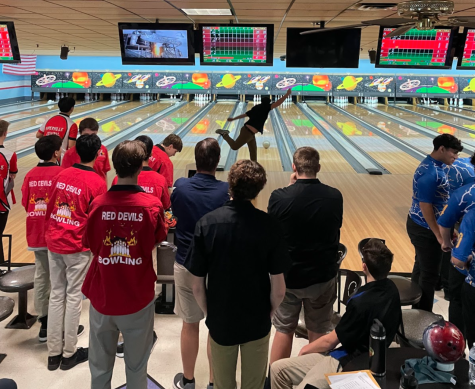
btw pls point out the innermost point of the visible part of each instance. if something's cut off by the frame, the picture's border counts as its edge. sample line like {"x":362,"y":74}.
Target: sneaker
{"x":120,"y":350}
{"x":54,"y":362}
{"x":154,"y":341}
{"x":80,"y":356}
{"x":43,"y":335}
{"x":222,"y":132}
{"x":178,"y":382}
{"x":80,"y":330}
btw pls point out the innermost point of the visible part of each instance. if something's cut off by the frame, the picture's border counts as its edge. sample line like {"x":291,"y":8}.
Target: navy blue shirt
{"x":430,"y":185}
{"x":460,"y":173}
{"x":191,"y":199}
{"x":465,"y":246}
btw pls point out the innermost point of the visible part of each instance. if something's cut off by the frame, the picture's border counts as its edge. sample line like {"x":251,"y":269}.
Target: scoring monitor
{"x":419,"y":49}
{"x":237,"y":45}
{"x":467,"y":60}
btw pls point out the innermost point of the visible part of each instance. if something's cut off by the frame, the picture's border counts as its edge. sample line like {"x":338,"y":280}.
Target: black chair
{"x":165,"y":302}
{"x":20,"y":280}
{"x":6,"y":309}
{"x":363,"y":242}
{"x":410,"y":293}
{"x":414,"y":322}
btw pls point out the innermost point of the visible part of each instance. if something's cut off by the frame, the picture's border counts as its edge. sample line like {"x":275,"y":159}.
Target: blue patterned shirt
{"x":466,"y":246}
{"x":430,"y":185}
{"x":461,"y":201}
{"x":460,"y":173}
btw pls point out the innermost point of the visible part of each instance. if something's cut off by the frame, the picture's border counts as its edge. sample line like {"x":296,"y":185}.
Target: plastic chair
{"x":410,"y":293}
{"x":165,"y":302}
{"x":414,"y":322}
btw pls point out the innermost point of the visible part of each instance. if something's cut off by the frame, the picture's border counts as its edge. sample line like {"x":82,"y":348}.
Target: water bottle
{"x":471,"y":361}
{"x":408,"y":381}
{"x":377,"y":349}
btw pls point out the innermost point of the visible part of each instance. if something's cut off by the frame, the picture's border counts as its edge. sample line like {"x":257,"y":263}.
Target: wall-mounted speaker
{"x":372,"y":56}
{"x":64,"y":52}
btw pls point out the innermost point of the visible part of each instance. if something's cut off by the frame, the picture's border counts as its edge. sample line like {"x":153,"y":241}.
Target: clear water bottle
{"x":471,"y":361}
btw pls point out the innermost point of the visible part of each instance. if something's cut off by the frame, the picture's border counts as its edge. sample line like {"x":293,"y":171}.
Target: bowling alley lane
{"x":304,"y":133}
{"x":105,"y":130}
{"x":23,"y":105}
{"x":468,"y":113}
{"x":414,"y":138}
{"x":268,"y":158}
{"x":388,"y":155}
{"x":39,"y":120}
{"x":47,"y":110}
{"x":431,"y":124}
{"x":468,"y":122}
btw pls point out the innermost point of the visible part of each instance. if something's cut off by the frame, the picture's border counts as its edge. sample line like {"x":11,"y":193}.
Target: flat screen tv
{"x":416,"y":49}
{"x":9,"y":50}
{"x":466,"y":61}
{"x":157,"y":44}
{"x":330,"y":49}
{"x":237,"y":44}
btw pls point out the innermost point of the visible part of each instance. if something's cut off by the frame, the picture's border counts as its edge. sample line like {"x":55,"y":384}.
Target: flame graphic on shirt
{"x":64,"y":209}
{"x":41,"y":203}
{"x":120,"y":246}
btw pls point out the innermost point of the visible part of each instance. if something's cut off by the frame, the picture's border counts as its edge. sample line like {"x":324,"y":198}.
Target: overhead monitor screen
{"x":9,"y":51}
{"x":237,"y":45}
{"x":467,"y":60}
{"x":429,"y":49}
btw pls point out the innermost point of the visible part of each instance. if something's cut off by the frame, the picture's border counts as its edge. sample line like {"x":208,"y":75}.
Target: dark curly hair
{"x":246,"y":179}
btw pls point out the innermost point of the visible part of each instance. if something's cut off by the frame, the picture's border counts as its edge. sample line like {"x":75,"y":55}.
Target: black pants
{"x":3,"y":224}
{"x":6,"y":383}
{"x":444,"y":271}
{"x":456,"y":282}
{"x":427,"y":262}
{"x":468,"y":302}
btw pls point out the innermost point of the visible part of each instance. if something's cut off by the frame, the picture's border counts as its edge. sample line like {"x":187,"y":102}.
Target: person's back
{"x":161,"y":154}
{"x":460,"y":173}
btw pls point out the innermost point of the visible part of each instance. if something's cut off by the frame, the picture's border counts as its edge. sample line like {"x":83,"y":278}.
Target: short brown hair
{"x":306,"y":161}
{"x":246,"y":179}
{"x":378,"y":258}
{"x":207,"y":154}
{"x":174,"y":140}
{"x":3,"y":127}
{"x":90,"y":123}
{"x":128,"y":157}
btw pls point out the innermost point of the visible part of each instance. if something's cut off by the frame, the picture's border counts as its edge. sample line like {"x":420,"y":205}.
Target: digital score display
{"x":415,"y":49}
{"x":468,"y":58}
{"x":6,"y":52}
{"x":236,"y":45}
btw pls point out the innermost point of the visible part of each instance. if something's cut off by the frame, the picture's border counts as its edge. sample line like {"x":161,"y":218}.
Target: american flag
{"x":27,"y":67}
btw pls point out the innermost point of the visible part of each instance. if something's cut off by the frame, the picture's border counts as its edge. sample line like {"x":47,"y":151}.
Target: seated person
{"x":378,"y":299}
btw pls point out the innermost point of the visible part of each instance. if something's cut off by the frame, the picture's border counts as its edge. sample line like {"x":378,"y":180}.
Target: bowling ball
{"x":322,"y":82}
{"x":447,"y":83}
{"x":444,"y":342}
{"x":266,"y":144}
{"x":82,"y":78}
{"x":201,"y":79}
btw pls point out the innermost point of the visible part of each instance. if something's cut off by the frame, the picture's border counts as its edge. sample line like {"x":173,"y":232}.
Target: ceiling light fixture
{"x":206,"y":12}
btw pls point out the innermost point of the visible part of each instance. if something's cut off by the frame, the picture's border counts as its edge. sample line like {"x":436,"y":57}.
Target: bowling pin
{"x":460,"y":102}
{"x":57,"y":96}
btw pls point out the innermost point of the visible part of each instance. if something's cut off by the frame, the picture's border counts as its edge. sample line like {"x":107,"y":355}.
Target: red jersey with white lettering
{"x":66,"y":215}
{"x":161,"y":163}
{"x":63,"y":126}
{"x":36,"y":195}
{"x":154,"y":184}
{"x":101,"y":165}
{"x":8,"y":165}
{"x":123,"y":228}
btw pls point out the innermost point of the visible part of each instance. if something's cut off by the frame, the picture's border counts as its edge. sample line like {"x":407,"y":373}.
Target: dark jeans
{"x":456,"y":282}
{"x":3,"y":223}
{"x":427,"y":263}
{"x":245,"y":136}
{"x":444,"y":271}
{"x":468,"y":301}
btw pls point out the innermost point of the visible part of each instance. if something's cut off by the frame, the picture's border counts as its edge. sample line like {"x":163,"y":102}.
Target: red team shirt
{"x":36,"y":195}
{"x":101,"y":165}
{"x":73,"y":191}
{"x":8,"y":165}
{"x":123,"y":228}
{"x":160,"y":162}
{"x":60,"y":125}
{"x":154,"y":184}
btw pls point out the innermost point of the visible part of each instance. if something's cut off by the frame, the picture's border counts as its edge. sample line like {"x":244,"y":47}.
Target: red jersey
{"x":36,"y":191}
{"x":154,"y":184}
{"x":66,"y":215}
{"x":8,"y":165}
{"x":101,"y":165}
{"x":161,"y":163}
{"x":123,"y":228}
{"x":60,"y":125}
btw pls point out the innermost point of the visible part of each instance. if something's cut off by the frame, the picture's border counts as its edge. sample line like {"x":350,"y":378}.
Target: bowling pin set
{"x":370,"y":100}
{"x":201,"y":99}
{"x":340,"y":100}
{"x":454,"y":103}
{"x":118,"y":97}
{"x":87,"y":97}
{"x":147,"y":97}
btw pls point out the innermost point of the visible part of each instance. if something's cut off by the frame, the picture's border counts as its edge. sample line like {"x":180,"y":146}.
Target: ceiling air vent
{"x":374,"y":7}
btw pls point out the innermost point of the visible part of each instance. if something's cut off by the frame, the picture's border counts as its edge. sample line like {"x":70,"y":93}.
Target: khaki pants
{"x":303,"y":370}
{"x":186,"y":306}
{"x":137,"y":330}
{"x":245,"y":136}
{"x":253,"y":364}
{"x":67,"y":272}
{"x":42,"y":283}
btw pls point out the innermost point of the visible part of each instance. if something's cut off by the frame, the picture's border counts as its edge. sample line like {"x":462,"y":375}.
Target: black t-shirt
{"x":311,"y":215}
{"x":375,"y":300}
{"x":258,"y":116}
{"x":237,"y":246}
